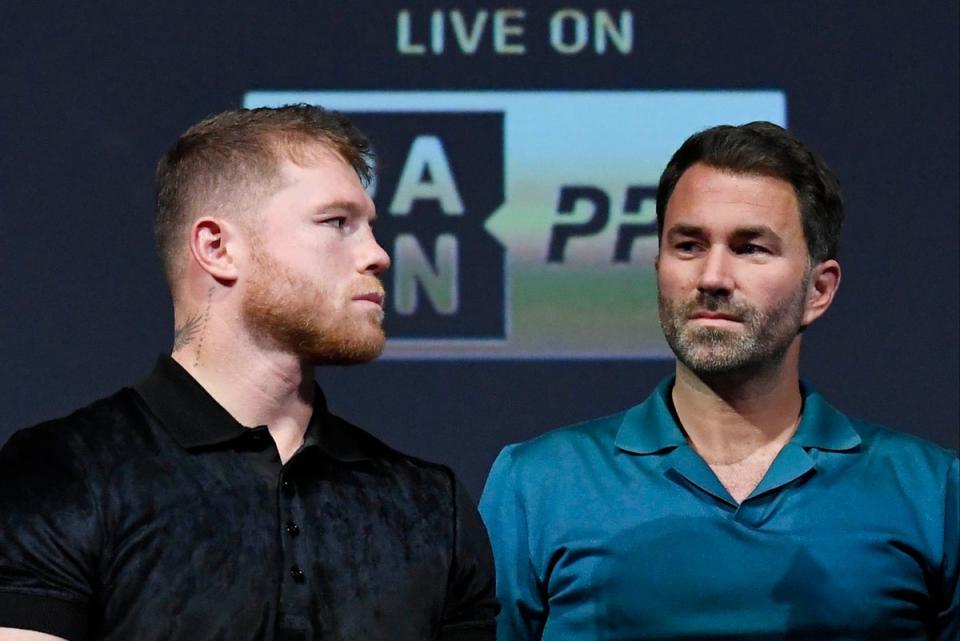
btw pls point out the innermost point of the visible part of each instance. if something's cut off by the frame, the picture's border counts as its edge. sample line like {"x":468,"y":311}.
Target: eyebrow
{"x":756,"y":231}
{"x":741,"y":233}
{"x":348,"y":205}
{"x":685,"y":230}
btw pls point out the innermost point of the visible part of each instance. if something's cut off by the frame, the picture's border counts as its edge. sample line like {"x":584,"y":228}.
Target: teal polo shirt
{"x":617,"y":529}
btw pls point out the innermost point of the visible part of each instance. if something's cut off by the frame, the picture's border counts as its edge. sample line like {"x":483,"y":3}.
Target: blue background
{"x":93,"y":93}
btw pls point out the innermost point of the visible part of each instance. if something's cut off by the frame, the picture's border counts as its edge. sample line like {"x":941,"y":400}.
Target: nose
{"x":716,"y":276}
{"x":373,"y":258}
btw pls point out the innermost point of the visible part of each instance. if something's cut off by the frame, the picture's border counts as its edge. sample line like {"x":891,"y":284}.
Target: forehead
{"x":316,"y":161}
{"x":717,"y":200}
{"x":316,"y":176}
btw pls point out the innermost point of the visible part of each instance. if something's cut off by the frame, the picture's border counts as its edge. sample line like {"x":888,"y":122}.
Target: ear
{"x":824,"y":282}
{"x":210,"y":248}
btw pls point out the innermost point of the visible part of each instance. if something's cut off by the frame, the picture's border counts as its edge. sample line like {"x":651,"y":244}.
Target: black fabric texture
{"x":37,"y":612}
{"x":154,"y":515}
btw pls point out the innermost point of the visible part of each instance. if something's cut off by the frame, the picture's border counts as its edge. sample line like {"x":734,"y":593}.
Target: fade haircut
{"x":232,"y":160}
{"x":766,"y":149}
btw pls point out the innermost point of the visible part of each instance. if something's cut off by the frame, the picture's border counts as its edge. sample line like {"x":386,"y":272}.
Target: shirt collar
{"x":823,"y":427}
{"x":196,"y":420}
{"x":651,"y":427}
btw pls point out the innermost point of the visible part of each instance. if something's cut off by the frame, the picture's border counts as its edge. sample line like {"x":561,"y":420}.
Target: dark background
{"x":93,"y":93}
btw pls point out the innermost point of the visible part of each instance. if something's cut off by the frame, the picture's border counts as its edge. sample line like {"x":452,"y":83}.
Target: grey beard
{"x":763,"y":340}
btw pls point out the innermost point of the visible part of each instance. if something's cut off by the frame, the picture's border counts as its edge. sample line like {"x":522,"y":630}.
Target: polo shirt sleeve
{"x":48,"y":526}
{"x":470,"y":610}
{"x":948,"y":614}
{"x":521,"y":597}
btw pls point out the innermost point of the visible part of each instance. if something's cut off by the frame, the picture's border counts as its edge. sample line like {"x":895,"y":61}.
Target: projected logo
{"x":522,"y":224}
{"x":439,"y":179}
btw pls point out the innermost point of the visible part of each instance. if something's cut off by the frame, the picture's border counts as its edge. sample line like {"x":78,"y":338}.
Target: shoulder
{"x":88,"y":433}
{"x":912,"y":485}
{"x":901,"y":451}
{"x":360,"y":445}
{"x":598,"y":443}
{"x":877,"y":450}
{"x":561,"y":451}
{"x":570,"y":439}
{"x":52,"y":475}
{"x":904,"y":478}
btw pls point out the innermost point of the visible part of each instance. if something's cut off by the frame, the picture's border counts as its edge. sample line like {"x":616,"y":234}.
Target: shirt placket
{"x":294,"y":621}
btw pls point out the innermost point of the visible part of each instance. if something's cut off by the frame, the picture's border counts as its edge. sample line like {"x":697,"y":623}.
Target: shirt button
{"x":287,"y":488}
{"x":297,"y":574}
{"x":292,"y":528}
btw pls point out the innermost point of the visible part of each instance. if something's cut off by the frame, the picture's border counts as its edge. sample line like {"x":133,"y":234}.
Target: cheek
{"x":774,"y":289}
{"x":332,"y":268}
{"x":672,"y":281}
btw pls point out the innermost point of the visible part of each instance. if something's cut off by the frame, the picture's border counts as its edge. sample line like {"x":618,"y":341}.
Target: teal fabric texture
{"x":616,"y":529}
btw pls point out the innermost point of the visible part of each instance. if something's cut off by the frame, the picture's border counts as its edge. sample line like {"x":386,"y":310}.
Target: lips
{"x":372,"y":297}
{"x":717,"y":315}
{"x":707,"y":315}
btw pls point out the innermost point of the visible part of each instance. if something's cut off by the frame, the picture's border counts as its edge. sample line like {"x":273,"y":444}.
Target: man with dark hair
{"x":734,"y":502}
{"x":219,"y":498}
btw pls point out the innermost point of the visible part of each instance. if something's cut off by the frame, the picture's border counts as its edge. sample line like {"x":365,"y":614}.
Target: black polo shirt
{"x":154,"y":515}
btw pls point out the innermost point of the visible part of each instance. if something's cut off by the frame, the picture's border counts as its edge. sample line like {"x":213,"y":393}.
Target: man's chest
{"x":228,"y":552}
{"x":742,"y":477}
{"x":681,"y":564}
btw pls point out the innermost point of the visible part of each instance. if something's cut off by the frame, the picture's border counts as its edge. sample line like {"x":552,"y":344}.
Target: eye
{"x":337,"y":222}
{"x":686,"y":246}
{"x":751,"y":249}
